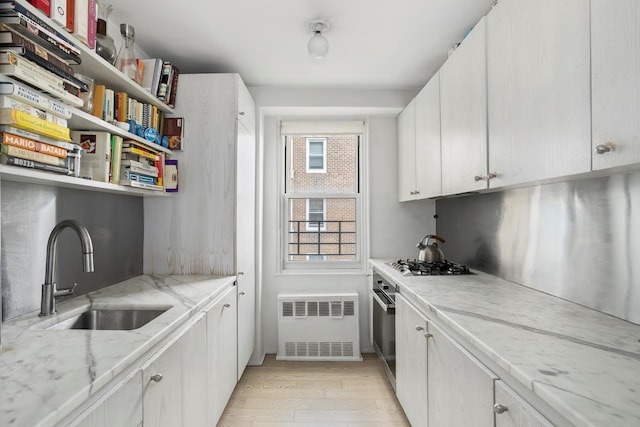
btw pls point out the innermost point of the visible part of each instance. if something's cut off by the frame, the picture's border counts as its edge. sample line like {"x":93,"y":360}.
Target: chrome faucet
{"x":49,"y":291}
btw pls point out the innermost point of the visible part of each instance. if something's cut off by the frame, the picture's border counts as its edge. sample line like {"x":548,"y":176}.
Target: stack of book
{"x":141,"y":166}
{"x":161,"y":79}
{"x":34,"y":131}
{"x":35,"y":53}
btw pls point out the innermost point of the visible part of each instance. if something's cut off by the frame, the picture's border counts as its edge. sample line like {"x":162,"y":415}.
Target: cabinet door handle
{"x":428,"y":335}
{"x":226,"y":306}
{"x":419,"y":328}
{"x":157,"y":378}
{"x":499,"y":409}
{"x":605,"y":148}
{"x":492,"y":175}
{"x":240,"y":293}
{"x":479,"y":178}
{"x":241,"y":113}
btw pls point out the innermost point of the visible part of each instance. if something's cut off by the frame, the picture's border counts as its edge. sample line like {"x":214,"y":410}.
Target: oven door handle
{"x":378,"y":300}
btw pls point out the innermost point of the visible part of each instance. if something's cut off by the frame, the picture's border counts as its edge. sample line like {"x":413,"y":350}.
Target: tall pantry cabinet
{"x":208,"y":227}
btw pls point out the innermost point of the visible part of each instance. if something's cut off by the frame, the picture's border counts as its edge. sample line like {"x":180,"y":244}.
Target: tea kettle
{"x":430,"y":252}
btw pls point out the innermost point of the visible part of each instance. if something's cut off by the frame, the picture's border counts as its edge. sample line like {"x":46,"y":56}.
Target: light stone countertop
{"x":46,"y":374}
{"x":583,"y":363}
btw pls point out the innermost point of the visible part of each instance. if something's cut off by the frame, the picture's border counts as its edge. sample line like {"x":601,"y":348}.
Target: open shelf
{"x":30,"y":176}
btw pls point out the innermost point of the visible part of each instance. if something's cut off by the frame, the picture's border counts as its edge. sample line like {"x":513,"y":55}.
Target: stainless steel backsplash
{"x":577,"y":240}
{"x":29,"y":213}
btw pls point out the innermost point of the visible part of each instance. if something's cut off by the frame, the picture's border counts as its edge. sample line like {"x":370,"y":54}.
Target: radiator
{"x":318,"y":327}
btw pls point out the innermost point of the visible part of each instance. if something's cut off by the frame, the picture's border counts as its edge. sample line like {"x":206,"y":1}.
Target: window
{"x":316,"y":155}
{"x":322,"y":212}
{"x":316,"y":214}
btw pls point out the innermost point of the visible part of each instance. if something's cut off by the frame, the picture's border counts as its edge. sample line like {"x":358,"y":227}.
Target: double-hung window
{"x":322,"y":203}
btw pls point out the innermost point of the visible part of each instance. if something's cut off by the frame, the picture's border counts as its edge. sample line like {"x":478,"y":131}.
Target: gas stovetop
{"x":414,"y":267}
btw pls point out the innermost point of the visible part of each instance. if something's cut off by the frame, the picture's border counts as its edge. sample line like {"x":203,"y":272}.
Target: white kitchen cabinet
{"x":406,"y":153}
{"x":419,"y":145}
{"x":460,"y":388}
{"x":615,"y":61}
{"x":463,"y":101}
{"x":411,"y":362}
{"x":208,"y":227}
{"x":427,"y":150}
{"x":538,"y":75}
{"x":121,"y":406}
{"x":245,"y":242}
{"x":174,"y":381}
{"x":513,"y":411}
{"x":222,"y":353}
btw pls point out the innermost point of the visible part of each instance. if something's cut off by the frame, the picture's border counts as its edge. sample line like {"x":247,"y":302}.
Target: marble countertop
{"x":581,"y":362}
{"x":46,"y":374}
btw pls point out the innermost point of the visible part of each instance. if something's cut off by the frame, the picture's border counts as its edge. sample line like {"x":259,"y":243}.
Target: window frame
{"x":359,"y":265}
{"x":309,"y":140}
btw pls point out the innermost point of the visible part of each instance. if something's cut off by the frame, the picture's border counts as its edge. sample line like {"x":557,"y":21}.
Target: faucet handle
{"x":65,"y":292}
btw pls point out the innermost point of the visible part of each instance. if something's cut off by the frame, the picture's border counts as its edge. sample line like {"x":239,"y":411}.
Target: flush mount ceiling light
{"x":318,"y":46}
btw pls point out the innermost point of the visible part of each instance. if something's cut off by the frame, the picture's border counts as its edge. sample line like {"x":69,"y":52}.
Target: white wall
{"x":394,"y":229}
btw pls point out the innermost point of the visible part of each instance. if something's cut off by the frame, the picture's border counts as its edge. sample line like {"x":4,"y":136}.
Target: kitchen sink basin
{"x":109,"y":319}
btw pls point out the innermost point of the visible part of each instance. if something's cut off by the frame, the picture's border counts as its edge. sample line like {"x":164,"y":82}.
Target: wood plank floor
{"x":314,"y":394}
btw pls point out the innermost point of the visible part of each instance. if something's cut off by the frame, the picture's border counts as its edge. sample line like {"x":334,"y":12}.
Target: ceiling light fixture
{"x":318,"y":46}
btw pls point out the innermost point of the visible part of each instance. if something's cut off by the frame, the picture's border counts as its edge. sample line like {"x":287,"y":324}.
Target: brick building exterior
{"x":323,"y":228}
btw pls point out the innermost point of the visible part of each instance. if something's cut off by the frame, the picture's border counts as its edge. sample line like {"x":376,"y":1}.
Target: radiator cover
{"x":318,"y":327}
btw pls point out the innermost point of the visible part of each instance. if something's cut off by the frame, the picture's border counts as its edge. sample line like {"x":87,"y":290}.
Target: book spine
{"x":163,"y":86}
{"x":174,"y":87}
{"x":43,"y":5}
{"x":53,"y":85}
{"x":139,"y":152}
{"x":92,"y":24}
{"x":35,"y":98}
{"x":81,"y":12}
{"x":40,"y":138}
{"x":19,"y":39}
{"x":143,"y":185}
{"x":59,"y":11}
{"x":32,"y":155}
{"x":143,"y":170}
{"x":107,"y":114}
{"x":76,"y":85}
{"x":159,"y":163}
{"x":25,"y":121}
{"x":25,"y":163}
{"x":35,"y":20}
{"x":116,"y":158}
{"x":71,"y":4}
{"x":31,"y":145}
{"x":7,"y":102}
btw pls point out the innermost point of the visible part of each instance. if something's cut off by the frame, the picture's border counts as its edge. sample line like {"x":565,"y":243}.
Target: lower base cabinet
{"x":411,"y":362}
{"x":513,"y":411}
{"x":440,"y":383}
{"x":175,"y":388}
{"x":223,"y":353}
{"x":186,"y":382}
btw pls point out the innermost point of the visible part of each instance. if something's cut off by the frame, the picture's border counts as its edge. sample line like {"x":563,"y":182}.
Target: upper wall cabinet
{"x":427,"y":156}
{"x":615,"y":44}
{"x":538,"y":75}
{"x":463,"y":101}
{"x":406,"y":153}
{"x":419,"y":160}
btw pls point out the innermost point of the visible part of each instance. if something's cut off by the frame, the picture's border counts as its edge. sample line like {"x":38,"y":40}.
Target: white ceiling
{"x":374,"y":44}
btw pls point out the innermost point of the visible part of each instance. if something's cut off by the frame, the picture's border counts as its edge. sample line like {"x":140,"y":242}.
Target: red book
{"x":71,"y":7}
{"x":43,"y":5}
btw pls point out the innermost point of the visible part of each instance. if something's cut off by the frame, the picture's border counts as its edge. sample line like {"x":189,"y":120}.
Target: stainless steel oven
{"x":384,"y":324}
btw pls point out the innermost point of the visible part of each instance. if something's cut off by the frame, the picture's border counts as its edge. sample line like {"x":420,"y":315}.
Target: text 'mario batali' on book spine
{"x":31,"y":145}
{"x":39,"y":138}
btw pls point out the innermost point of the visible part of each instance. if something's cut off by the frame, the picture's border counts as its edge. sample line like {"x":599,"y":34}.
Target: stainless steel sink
{"x":110,"y":319}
